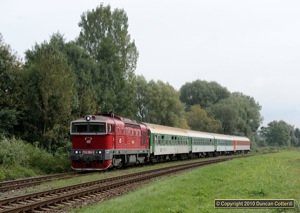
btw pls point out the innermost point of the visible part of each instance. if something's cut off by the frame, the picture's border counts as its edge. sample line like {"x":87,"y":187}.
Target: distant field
{"x":270,"y":176}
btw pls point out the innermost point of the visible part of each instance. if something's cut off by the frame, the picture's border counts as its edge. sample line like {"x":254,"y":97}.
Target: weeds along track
{"x":26,"y":182}
{"x":83,"y":193}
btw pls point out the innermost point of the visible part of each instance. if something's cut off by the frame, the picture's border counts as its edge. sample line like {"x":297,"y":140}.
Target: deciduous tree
{"x":202,"y":93}
{"x":239,"y":114}
{"x":10,"y":89}
{"x":278,"y":133}
{"x":198,"y":120}
{"x":104,"y":34}
{"x":50,"y":94}
{"x":159,"y":103}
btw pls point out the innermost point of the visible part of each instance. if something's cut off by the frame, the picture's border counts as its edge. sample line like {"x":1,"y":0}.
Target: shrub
{"x":12,"y":152}
{"x":21,"y":159}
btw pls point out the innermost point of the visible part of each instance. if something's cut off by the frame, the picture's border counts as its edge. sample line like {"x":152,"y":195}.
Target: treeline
{"x":61,"y":81}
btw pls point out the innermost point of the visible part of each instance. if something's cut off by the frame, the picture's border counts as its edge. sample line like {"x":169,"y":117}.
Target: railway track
{"x":57,"y":199}
{"x":33,"y":181}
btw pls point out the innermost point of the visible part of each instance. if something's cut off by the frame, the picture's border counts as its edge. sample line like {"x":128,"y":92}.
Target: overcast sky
{"x":249,"y":46}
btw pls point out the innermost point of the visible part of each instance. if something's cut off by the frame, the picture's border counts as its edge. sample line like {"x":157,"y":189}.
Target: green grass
{"x":270,"y":176}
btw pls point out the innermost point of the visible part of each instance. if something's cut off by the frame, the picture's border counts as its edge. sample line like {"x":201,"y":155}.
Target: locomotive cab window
{"x":111,"y":128}
{"x":88,"y":128}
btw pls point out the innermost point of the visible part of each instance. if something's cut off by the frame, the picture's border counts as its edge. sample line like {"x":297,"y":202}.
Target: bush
{"x":12,"y":152}
{"x":17,"y":172}
{"x":21,"y":159}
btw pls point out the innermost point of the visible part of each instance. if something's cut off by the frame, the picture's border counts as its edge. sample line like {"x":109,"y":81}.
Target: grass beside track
{"x":270,"y":176}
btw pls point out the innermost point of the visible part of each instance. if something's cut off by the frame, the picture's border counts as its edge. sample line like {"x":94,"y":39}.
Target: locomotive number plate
{"x":87,"y":152}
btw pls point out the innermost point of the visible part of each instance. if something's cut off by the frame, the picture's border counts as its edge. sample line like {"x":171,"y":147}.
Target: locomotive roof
{"x":94,"y":118}
{"x":106,"y":118}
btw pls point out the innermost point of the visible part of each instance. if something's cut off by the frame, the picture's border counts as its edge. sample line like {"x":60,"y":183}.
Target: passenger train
{"x":105,"y":141}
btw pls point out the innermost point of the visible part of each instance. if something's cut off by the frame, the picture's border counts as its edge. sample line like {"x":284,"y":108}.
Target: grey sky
{"x":248,"y":46}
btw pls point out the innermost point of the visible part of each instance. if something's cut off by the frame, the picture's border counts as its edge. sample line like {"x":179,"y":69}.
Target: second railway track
{"x":26,"y":182}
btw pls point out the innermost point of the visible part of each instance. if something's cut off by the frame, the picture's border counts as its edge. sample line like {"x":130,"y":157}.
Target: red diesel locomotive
{"x":101,"y":141}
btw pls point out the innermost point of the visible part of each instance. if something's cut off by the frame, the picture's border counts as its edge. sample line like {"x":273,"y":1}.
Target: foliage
{"x":16,"y":154}
{"x":202,"y":93}
{"x":239,"y":114}
{"x":198,"y":119}
{"x":49,"y":93}
{"x":10,"y":72}
{"x":143,"y":98}
{"x":159,"y":103}
{"x":279,"y":133}
{"x":83,"y":67}
{"x":104,"y":35}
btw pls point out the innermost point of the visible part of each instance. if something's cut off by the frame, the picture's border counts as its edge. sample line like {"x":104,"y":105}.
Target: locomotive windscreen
{"x":89,"y":128}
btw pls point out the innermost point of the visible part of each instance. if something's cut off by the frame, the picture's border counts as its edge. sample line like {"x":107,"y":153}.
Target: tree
{"x":198,"y":120}
{"x":83,"y":67}
{"x":10,"y":88}
{"x":50,"y":94}
{"x":202,"y":93}
{"x":297,"y":135}
{"x":239,"y":114}
{"x":227,"y":114}
{"x":278,"y":133}
{"x":142,"y":98}
{"x":104,"y":34}
{"x":159,"y":103}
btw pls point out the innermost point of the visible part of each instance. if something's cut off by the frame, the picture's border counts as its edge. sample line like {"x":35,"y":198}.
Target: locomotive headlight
{"x":87,"y":118}
{"x":76,"y":152}
{"x":99,"y":152}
